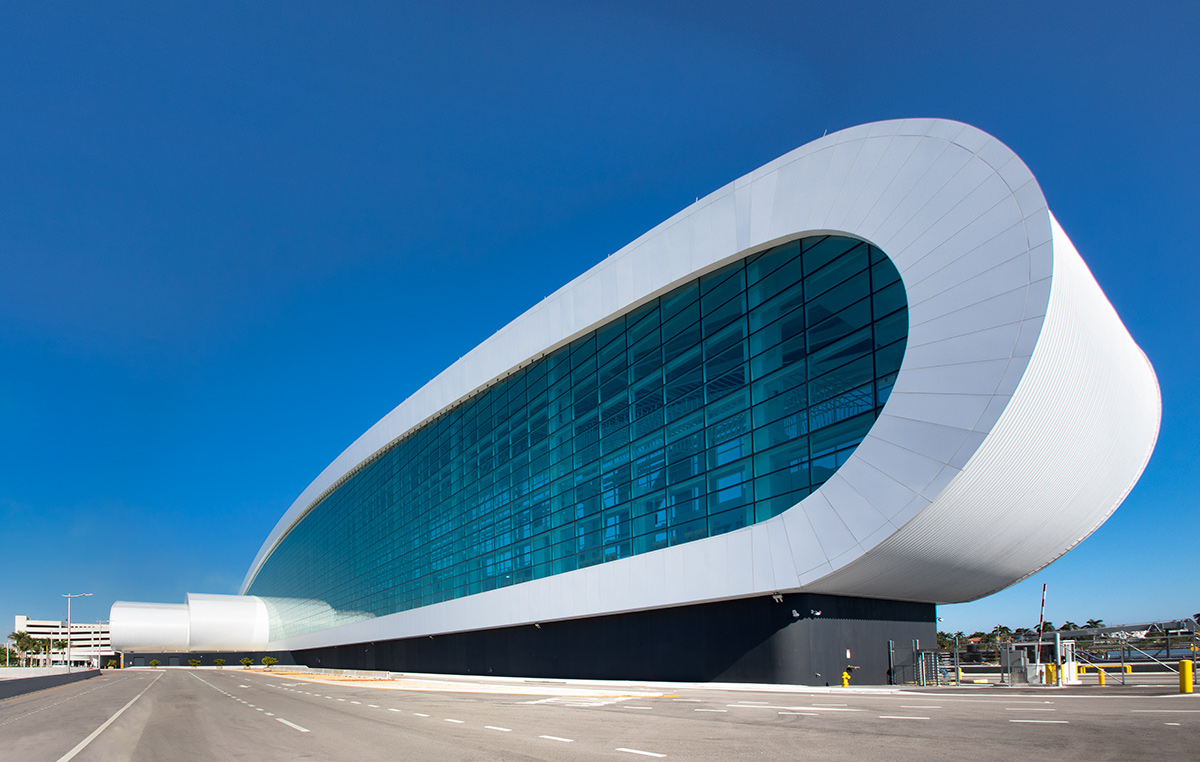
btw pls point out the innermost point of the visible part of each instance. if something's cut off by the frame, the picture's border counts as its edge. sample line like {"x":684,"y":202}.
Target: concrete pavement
{"x":183,"y":714}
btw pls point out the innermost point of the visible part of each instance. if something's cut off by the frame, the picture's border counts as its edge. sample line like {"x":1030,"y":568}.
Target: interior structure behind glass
{"x":722,"y":403}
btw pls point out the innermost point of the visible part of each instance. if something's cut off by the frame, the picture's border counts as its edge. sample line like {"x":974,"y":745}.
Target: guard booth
{"x":1045,"y":663}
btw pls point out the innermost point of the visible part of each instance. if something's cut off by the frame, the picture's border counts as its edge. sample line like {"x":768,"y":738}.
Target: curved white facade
{"x":204,"y":623}
{"x":1022,"y":415}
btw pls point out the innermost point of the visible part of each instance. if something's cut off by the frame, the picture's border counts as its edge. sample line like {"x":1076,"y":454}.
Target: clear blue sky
{"x":233,"y":238}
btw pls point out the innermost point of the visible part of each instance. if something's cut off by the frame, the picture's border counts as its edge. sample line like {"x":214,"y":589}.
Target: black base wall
{"x":22,"y":685}
{"x":177,"y":659}
{"x":748,"y":640}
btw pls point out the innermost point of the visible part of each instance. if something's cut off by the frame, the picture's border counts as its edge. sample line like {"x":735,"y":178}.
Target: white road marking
{"x":392,"y":709}
{"x":420,"y":715}
{"x":243,"y":686}
{"x":509,"y":730}
{"x":639,"y":751}
{"x":816,"y":704}
{"x":341,"y":699}
{"x":900,"y":717}
{"x":293,"y":725}
{"x":918,"y":706}
{"x":356,"y":702}
{"x":373,"y":706}
{"x":270,"y":714}
{"x":456,"y":722}
{"x":627,"y":706}
{"x":1176,"y":724}
{"x":556,"y":738}
{"x":1167,"y":711}
{"x":1044,"y":722}
{"x":710,"y":710}
{"x":257,"y":709}
{"x":92,"y":736}
{"x":794,"y":708}
{"x":807,"y":714}
{"x":1026,"y":709}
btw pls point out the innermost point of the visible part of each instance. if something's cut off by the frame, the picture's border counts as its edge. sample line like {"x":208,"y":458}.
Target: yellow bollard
{"x":1051,"y":674}
{"x":845,"y":679}
{"x":1129,"y":669}
{"x":1100,"y":674}
{"x":1185,"y":675}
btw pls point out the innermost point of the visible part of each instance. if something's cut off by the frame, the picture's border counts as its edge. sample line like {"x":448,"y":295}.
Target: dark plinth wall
{"x":180,"y":658}
{"x":748,"y":640}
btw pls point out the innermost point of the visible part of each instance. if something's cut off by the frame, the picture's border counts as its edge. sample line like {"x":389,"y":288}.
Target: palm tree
{"x":1092,"y":624}
{"x":1001,"y":632}
{"x":23,"y":642}
{"x":1069,"y":625}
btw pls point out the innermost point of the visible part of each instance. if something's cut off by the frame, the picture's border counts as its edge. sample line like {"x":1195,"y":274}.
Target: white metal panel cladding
{"x":204,"y":623}
{"x":967,"y":226}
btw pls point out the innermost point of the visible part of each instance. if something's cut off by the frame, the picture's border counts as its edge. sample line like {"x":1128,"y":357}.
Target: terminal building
{"x":759,"y":443}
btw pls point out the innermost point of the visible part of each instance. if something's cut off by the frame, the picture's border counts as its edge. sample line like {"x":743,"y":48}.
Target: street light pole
{"x":69,"y":596}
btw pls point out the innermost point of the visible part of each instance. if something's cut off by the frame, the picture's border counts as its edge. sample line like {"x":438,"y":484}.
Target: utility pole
{"x":69,"y":596}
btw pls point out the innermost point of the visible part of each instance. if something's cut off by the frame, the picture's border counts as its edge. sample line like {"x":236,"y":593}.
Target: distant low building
{"x":90,"y":642}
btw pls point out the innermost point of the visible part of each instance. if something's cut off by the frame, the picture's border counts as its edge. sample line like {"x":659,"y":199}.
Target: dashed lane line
{"x":1043,"y":722}
{"x":900,"y":717}
{"x":293,"y":725}
{"x":456,"y":722}
{"x":722,"y":711}
{"x":639,"y":751}
{"x":794,"y":708}
{"x":806,"y":714}
{"x":1027,"y":709}
{"x":556,"y":738}
{"x":420,"y":715}
{"x":508,"y":730}
{"x":71,"y":697}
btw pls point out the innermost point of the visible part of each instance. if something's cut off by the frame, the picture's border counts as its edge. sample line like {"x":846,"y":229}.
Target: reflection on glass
{"x":722,"y":403}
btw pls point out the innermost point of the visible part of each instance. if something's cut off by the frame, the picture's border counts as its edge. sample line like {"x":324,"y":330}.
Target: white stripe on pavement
{"x":293,"y":725}
{"x":83,"y":744}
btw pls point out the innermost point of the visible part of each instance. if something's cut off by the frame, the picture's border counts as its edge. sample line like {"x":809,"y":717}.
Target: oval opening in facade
{"x":720,"y":404}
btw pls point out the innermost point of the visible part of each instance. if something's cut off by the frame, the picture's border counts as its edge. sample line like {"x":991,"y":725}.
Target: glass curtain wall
{"x":724,"y":402}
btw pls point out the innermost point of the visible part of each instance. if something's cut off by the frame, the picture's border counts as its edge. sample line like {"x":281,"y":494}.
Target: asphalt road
{"x":168,"y":714}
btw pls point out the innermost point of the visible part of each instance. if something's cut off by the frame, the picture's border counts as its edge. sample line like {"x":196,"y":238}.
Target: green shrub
{"x":219,"y":662}
{"x":269,"y":660}
{"x":194,"y":662}
{"x":246,"y":661}
{"x":154,"y":663}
